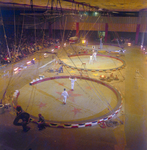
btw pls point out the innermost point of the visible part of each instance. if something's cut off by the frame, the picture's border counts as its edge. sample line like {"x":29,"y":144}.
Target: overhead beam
{"x":82,"y":3}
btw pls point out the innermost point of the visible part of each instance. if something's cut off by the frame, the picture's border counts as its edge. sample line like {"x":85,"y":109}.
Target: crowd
{"x":23,"y":46}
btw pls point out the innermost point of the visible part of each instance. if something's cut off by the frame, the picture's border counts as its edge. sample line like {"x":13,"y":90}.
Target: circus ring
{"x":80,"y":110}
{"x":103,"y":63}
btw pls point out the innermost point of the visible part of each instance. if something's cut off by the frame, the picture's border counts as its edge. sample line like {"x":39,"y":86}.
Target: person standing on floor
{"x":91,"y":60}
{"x":65,"y":95}
{"x":61,"y":69}
{"x":101,"y":43}
{"x":94,"y":56}
{"x":72,"y":82}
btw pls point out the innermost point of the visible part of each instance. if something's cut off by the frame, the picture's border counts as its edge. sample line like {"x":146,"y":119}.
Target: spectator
{"x":41,"y":122}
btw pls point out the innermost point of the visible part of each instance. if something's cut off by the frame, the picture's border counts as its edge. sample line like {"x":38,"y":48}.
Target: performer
{"x":111,"y":76}
{"x":101,"y":43}
{"x":116,"y":78}
{"x":25,"y":117}
{"x":86,"y":43}
{"x":91,"y":60}
{"x":94,"y":56}
{"x":61,"y":69}
{"x":65,"y":95}
{"x":72,"y":82}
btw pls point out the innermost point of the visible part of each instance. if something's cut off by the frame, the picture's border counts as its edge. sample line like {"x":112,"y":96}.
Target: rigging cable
{"x":92,"y":82}
{"x":22,"y":30}
{"x":75,"y":66}
{"x":8,"y":54}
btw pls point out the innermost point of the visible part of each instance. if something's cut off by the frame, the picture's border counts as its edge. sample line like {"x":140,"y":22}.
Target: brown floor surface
{"x":128,"y":136}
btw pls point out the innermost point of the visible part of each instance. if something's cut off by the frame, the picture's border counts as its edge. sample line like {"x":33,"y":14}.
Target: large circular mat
{"x":91,"y":99}
{"x":103,"y":62}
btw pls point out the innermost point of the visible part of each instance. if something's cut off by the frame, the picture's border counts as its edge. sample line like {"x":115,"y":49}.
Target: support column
{"x":106,"y":32}
{"x":137,"y":33}
{"x":77,"y":29}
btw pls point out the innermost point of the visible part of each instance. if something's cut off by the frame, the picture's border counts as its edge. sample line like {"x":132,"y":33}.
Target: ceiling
{"x":92,"y":5}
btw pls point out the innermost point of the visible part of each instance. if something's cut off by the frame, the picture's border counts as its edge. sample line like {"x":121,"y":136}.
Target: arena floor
{"x":89,"y":101}
{"x":131,"y":135}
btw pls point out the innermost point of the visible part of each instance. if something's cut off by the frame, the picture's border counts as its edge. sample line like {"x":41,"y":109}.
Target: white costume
{"x":91,"y":60}
{"x":65,"y":95}
{"x":16,"y":94}
{"x":72,"y":83}
{"x":94,"y":56}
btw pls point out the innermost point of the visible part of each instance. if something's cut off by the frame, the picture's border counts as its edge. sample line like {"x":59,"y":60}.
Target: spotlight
{"x":15,"y":69}
{"x":96,"y":13}
{"x":64,"y":44}
{"x":129,"y":44}
{"x":83,"y":41}
{"x":28,"y":62}
{"x":102,"y":77}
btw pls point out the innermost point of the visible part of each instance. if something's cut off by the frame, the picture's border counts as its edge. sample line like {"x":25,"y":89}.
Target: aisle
{"x":135,"y":100}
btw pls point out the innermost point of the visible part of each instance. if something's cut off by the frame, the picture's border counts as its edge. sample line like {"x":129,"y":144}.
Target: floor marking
{"x":47,"y":64}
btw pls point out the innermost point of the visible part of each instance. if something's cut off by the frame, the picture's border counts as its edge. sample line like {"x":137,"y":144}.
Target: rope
{"x":5,"y":34}
{"x":76,"y":81}
{"x":92,"y":83}
{"x":93,"y":25}
{"x":64,"y":30}
{"x":14,"y":31}
{"x":21,"y":32}
{"x":88,"y":76}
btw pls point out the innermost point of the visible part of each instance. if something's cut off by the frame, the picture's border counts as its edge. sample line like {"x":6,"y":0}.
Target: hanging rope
{"x":68,"y":71}
{"x":88,"y":76}
{"x":5,"y":34}
{"x":93,"y":25}
{"x":86,"y":81}
{"x":4,"y":94}
{"x":114,"y":33}
{"x":35,"y":29}
{"x":92,"y":82}
{"x":14,"y":30}
{"x":64,"y":29}
{"x":22,"y":28}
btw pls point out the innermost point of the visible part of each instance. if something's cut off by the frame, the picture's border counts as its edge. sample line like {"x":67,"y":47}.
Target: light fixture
{"x":15,"y":69}
{"x":129,"y":44}
{"x":96,"y":13}
{"x":102,"y":77}
{"x":64,"y":44}
{"x":28,"y":62}
{"x":83,"y":41}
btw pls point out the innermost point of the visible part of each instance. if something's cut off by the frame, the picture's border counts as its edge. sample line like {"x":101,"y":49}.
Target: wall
{"x":118,"y":24}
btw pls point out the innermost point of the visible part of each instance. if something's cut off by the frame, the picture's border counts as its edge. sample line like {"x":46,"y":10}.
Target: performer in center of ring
{"x":72,"y":82}
{"x":94,"y":56}
{"x":65,"y":95}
